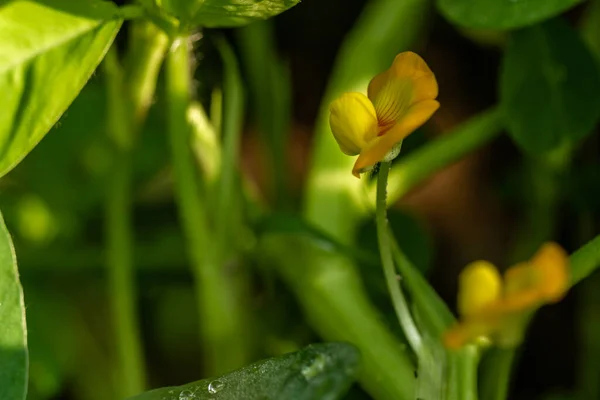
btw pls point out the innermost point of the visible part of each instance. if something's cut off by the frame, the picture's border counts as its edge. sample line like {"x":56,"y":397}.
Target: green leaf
{"x":226,"y":13}
{"x":320,"y":371}
{"x":549,"y":87}
{"x":502,"y":14}
{"x":13,"y":332}
{"x":49,"y":50}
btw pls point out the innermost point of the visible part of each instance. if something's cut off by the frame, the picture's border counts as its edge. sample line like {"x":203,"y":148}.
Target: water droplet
{"x":187,"y":395}
{"x":315,"y":368}
{"x":215,"y":386}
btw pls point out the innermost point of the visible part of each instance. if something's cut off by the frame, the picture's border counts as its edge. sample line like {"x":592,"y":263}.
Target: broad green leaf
{"x":320,"y":371}
{"x":226,"y":13}
{"x":549,"y":87}
{"x":13,"y":332}
{"x":49,"y":49}
{"x":502,"y":14}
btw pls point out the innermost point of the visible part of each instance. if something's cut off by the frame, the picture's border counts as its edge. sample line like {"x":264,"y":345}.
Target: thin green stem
{"x":121,"y":281}
{"x":220,"y":315}
{"x":233,"y":109}
{"x":336,"y":304}
{"x":585,"y":260}
{"x":127,"y":106}
{"x":430,"y":354}
{"x":119,"y":240}
{"x":462,"y":377}
{"x":497,"y":368}
{"x":385,"y":249}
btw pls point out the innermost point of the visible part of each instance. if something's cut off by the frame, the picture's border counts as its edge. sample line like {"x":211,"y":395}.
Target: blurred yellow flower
{"x":492,"y":308}
{"x":399,"y":101}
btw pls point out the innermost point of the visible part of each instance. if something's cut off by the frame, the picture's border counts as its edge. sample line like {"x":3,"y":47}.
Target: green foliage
{"x":324,"y":251}
{"x":549,"y":87}
{"x":225,"y":13}
{"x":49,"y":50}
{"x":501,"y":14}
{"x":13,"y":333}
{"x":320,"y":371}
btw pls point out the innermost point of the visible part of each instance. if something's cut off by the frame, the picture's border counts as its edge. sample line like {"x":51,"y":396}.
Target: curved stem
{"x":385,"y":249}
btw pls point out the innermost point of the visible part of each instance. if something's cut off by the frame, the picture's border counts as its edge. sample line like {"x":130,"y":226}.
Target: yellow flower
{"x":399,"y":101}
{"x":492,"y":308}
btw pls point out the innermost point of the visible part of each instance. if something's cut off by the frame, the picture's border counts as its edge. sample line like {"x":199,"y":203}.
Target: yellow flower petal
{"x":353,"y":122}
{"x":377,"y":148}
{"x":527,"y":286}
{"x":408,"y":81}
{"x":552,"y":262}
{"x":479,"y":285}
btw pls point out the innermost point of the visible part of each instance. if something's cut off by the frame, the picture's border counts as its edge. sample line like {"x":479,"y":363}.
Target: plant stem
{"x":119,"y":239}
{"x":336,"y":304}
{"x":220,"y":314}
{"x":146,"y":53}
{"x":497,"y":368}
{"x":385,"y":249}
{"x":585,"y":260}
{"x":121,"y":280}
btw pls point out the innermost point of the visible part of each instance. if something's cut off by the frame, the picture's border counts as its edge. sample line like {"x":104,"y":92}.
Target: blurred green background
{"x":473,"y":209}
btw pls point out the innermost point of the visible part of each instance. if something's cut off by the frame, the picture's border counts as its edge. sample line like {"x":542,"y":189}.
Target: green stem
{"x":336,"y":304}
{"x":127,"y":95}
{"x":221,"y":327}
{"x":121,"y":280}
{"x":585,"y":260}
{"x":497,"y":368}
{"x":119,"y":240}
{"x":233,"y":109}
{"x":398,"y":300}
{"x":451,"y":147}
{"x":462,"y":383}
{"x":146,"y":52}
{"x":460,"y":367}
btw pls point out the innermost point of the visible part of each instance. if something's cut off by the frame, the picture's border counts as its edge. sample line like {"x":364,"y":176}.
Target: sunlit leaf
{"x":549,"y":87}
{"x":49,"y":49}
{"x":226,"y":13}
{"x":320,"y":371}
{"x":13,"y":333}
{"x":502,"y":14}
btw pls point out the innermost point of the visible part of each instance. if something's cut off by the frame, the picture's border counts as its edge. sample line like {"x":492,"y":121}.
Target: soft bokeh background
{"x":53,"y":205}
